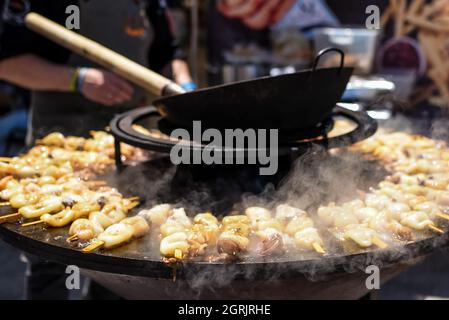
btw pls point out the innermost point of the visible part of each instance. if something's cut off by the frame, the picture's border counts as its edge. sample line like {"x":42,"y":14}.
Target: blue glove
{"x":189,"y":86}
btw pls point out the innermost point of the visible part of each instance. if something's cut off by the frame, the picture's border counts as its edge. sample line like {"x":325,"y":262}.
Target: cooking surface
{"x":157,"y":181}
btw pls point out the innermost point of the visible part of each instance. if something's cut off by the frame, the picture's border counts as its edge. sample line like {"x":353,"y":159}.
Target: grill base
{"x":341,"y":286}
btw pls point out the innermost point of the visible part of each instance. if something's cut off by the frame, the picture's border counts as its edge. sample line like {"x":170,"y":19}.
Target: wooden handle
{"x":105,"y":57}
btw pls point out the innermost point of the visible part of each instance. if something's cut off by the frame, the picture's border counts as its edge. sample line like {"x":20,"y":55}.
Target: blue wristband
{"x":81,"y":78}
{"x":189,"y":86}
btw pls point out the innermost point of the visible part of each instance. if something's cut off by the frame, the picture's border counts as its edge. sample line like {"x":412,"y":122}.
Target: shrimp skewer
{"x":267,"y":231}
{"x":234,"y":238}
{"x":299,"y":225}
{"x":157,"y":215}
{"x":203,"y":234}
{"x":175,"y":234}
{"x":345,"y":225}
{"x":120,"y":233}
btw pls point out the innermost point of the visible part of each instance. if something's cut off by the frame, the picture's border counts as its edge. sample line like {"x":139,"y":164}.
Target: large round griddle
{"x":131,"y":259}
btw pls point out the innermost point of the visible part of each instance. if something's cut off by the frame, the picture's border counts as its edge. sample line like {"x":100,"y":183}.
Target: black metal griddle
{"x":136,"y":270}
{"x":141,"y":275}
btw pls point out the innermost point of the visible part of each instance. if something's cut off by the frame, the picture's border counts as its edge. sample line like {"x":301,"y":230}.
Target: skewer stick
{"x":133,"y":199}
{"x":415,"y":6}
{"x":443,"y":216}
{"x":4,"y":204}
{"x":10,"y":217}
{"x":72,"y":238}
{"x":386,"y":16}
{"x":32,"y":223}
{"x":318,"y":248}
{"x":426,"y":24}
{"x":96,"y":184}
{"x":4,"y":159}
{"x":435,"y":229}
{"x":132,"y":206}
{"x":380,"y":243}
{"x":413,"y":10}
{"x":178,"y":254}
{"x":400,"y":15}
{"x":93,"y":246}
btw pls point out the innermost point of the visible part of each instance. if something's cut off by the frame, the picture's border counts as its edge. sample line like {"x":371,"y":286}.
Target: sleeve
{"x":165,"y":46}
{"x":16,"y":39}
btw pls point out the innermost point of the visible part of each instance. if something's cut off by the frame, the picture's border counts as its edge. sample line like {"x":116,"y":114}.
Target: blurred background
{"x":393,"y":75}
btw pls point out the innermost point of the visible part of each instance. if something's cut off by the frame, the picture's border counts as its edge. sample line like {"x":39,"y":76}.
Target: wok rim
{"x":338,"y":70}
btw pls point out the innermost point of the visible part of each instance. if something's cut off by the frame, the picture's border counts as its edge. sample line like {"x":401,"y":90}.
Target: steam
{"x":315,"y":178}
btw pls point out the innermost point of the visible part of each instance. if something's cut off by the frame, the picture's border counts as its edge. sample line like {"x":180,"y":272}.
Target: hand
{"x":106,"y":88}
{"x":256,"y":14}
{"x":181,"y":74}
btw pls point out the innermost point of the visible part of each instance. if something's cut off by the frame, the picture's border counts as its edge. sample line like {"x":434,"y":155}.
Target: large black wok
{"x":287,"y":102}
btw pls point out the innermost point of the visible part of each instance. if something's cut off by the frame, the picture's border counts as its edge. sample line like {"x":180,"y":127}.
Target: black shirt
{"x":16,"y":39}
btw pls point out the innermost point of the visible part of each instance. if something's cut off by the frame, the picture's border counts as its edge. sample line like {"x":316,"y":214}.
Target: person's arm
{"x":165,"y":50}
{"x":35,"y":73}
{"x":256,"y":14}
{"x":181,"y":74}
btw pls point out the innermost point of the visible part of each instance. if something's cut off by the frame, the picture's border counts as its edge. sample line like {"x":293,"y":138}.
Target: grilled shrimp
{"x":116,"y":235}
{"x":83,"y":230}
{"x":140,"y":226}
{"x":175,"y":246}
{"x":256,"y":214}
{"x":60,"y":219}
{"x":22,"y":200}
{"x":158,"y":214}
{"x":48,"y":205}
{"x":308,"y":238}
{"x":285,"y":213}
{"x":55,"y":139}
{"x":177,"y":222}
{"x":234,"y":238}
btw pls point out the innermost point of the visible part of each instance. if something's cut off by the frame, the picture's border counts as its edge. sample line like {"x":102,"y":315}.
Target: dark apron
{"x":107,"y":22}
{"x":104,"y":21}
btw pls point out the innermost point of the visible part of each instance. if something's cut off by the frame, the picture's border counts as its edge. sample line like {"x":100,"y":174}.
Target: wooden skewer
{"x":4,"y":204}
{"x":413,"y":10}
{"x":96,"y":184}
{"x":318,"y":248}
{"x":415,"y":6}
{"x":32,"y":223}
{"x":4,"y":159}
{"x":435,"y":229}
{"x":132,"y":206}
{"x":426,"y":24}
{"x":10,"y":217}
{"x":380,"y":243}
{"x":72,"y":238}
{"x":443,"y":216}
{"x":93,"y":246}
{"x":440,"y":83}
{"x":424,"y":94}
{"x":386,"y":16}
{"x":133,"y":199}
{"x":178,"y":254}
{"x":400,"y":18}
